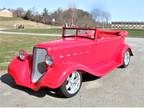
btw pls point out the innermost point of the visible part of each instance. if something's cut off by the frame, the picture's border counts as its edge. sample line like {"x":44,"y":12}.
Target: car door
{"x":82,"y":54}
{"x":105,"y":49}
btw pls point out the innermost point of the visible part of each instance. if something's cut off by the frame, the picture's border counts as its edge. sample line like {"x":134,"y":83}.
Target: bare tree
{"x":96,"y":13}
{"x":58,"y":16}
{"x":73,"y":13}
{"x":71,"y":16}
{"x":19,"y":12}
{"x":101,"y":17}
{"x":107,"y":18}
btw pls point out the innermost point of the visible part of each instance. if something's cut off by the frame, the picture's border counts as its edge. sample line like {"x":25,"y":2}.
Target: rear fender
{"x":56,"y":75}
{"x":121,"y":53}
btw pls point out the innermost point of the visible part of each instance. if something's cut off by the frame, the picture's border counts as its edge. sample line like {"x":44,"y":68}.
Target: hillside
{"x":11,"y":22}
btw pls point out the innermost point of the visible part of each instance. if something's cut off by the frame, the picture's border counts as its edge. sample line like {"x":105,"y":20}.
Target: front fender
{"x":57,"y":74}
{"x":21,"y":71}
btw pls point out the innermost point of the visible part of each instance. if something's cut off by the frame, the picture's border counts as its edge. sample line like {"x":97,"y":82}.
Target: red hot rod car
{"x":60,"y":64}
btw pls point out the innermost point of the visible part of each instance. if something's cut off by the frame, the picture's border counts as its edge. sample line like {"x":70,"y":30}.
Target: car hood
{"x":67,"y":42}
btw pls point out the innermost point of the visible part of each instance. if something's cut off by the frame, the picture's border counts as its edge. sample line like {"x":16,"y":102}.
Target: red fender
{"x":121,"y":53}
{"x":57,"y":74}
{"x":21,"y":71}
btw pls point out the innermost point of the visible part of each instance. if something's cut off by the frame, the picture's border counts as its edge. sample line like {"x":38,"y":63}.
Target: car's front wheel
{"x":72,"y":85}
{"x":126,"y":59}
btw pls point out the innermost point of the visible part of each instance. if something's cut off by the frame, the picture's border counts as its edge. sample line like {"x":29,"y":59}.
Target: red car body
{"x":93,"y":51}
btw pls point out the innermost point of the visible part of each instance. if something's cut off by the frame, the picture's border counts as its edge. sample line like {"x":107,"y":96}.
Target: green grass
{"x":10,"y":45}
{"x":9,"y":19}
{"x":135,"y":32}
{"x":37,"y":30}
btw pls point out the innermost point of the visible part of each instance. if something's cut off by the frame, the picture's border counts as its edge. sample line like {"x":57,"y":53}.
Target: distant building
{"x":6,"y":13}
{"x":129,"y":25}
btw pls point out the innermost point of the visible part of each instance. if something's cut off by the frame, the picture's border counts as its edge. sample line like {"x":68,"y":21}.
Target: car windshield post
{"x":63,"y":32}
{"x":76,"y":32}
{"x":95,"y":34}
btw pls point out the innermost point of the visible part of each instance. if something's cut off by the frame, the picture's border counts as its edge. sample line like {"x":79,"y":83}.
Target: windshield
{"x":78,"y":32}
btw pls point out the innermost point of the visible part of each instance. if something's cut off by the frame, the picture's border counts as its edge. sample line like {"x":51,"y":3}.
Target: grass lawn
{"x":37,"y":30}
{"x":10,"y":45}
{"x":135,"y":32}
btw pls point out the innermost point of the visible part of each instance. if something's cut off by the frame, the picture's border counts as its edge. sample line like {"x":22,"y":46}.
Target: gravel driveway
{"x":122,"y":87}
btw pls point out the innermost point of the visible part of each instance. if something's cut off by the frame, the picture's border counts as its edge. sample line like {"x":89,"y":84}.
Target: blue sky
{"x":120,"y":10}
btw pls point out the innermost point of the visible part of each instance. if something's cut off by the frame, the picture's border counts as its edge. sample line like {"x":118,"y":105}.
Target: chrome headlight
{"x":22,"y":55}
{"x":49,"y":60}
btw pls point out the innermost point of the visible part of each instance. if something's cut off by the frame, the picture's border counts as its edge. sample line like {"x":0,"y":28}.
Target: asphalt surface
{"x":31,"y":34}
{"x":23,"y":33}
{"x":122,"y":87}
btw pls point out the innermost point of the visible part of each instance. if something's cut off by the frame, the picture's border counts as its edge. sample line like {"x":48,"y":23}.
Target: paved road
{"x":22,"y":33}
{"x":34,"y":34}
{"x":122,"y":87}
{"x":1,"y":28}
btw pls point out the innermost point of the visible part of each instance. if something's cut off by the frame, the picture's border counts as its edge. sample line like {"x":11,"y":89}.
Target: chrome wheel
{"x":73,"y":83}
{"x":127,"y":58}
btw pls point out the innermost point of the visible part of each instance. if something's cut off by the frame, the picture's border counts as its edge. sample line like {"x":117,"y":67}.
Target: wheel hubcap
{"x":73,"y":83}
{"x":127,"y":58}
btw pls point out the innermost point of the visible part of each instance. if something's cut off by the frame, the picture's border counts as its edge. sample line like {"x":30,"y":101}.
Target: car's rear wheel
{"x":72,"y":85}
{"x":126,"y":59}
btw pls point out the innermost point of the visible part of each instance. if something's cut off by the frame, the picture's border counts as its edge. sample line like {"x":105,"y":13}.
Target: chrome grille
{"x":39,"y":65}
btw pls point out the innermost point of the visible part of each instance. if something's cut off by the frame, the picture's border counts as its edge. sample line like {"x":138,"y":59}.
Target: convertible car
{"x":60,"y":64}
